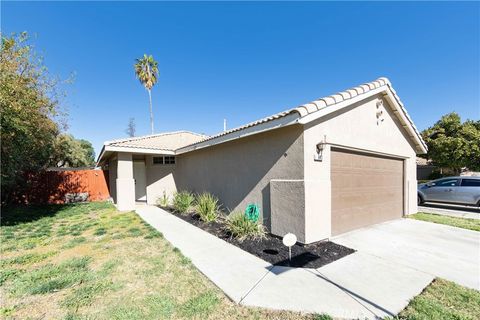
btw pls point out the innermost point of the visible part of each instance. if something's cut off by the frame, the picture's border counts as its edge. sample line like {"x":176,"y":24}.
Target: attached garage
{"x":366,"y":189}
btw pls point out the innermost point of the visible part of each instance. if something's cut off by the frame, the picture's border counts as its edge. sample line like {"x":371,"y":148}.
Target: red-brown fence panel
{"x":66,"y":186}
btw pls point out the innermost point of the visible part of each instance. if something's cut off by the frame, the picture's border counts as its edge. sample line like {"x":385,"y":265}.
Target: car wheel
{"x":419,"y":200}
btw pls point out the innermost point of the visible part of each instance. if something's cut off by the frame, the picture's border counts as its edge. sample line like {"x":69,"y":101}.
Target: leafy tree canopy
{"x":30,"y":113}
{"x":453,"y":144}
{"x":70,"y":152}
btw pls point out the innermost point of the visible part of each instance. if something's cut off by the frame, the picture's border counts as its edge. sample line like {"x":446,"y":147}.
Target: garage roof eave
{"x":393,"y":100}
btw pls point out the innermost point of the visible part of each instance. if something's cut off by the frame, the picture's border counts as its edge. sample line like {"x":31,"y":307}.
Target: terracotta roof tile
{"x":163,"y":141}
{"x":321,"y":103}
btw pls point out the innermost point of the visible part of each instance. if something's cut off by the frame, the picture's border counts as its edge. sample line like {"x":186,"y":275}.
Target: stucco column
{"x":125,"y":182}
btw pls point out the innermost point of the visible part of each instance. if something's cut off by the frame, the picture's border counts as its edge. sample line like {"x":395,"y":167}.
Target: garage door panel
{"x":365,"y":190}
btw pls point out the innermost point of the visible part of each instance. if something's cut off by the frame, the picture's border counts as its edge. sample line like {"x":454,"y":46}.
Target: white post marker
{"x":289,"y":240}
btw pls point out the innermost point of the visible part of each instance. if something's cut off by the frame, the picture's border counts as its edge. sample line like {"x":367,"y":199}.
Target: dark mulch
{"x":272,"y":250}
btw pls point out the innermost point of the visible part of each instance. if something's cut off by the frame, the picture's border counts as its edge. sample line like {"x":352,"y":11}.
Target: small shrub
{"x":163,"y":201}
{"x":207,"y":207}
{"x":242,"y":228}
{"x":182,"y":201}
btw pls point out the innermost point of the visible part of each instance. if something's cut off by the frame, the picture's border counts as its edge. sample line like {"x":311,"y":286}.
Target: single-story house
{"x":318,"y":170}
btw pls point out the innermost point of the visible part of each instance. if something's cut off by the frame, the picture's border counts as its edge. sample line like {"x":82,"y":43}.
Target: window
{"x":169,"y":160}
{"x":446,"y":183}
{"x":164,"y":160}
{"x":157,"y":160}
{"x":470,"y":183}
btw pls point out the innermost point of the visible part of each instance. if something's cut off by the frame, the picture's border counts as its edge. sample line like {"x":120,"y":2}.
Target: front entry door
{"x":139,"y":174}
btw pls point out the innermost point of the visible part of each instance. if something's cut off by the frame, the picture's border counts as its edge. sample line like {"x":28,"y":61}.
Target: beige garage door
{"x":365,"y":190}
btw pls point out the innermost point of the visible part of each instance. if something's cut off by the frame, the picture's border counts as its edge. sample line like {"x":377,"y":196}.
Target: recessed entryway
{"x":140,"y":177}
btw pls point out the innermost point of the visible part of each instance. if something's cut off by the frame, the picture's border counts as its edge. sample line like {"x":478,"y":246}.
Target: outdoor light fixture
{"x":319,"y":150}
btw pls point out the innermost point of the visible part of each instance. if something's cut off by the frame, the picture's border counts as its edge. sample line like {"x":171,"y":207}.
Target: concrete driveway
{"x":439,"y":250}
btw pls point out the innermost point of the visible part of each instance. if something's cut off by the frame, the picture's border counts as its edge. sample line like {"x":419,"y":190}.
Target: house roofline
{"x":302,"y":114}
{"x":319,"y":108}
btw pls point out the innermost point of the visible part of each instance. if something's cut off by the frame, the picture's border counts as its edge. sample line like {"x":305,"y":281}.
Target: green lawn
{"x":444,"y":300}
{"x":471,"y":224}
{"x":89,"y":261}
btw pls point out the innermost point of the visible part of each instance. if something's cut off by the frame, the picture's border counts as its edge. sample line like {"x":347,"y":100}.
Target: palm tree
{"x":146,"y":70}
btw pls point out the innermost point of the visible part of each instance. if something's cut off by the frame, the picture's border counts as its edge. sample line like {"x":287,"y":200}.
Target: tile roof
{"x":163,"y":141}
{"x":321,"y":103}
{"x":173,"y":141}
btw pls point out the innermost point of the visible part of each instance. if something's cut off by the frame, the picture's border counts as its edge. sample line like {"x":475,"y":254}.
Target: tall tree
{"x":453,"y":144}
{"x":146,"y":70}
{"x":131,"y":128}
{"x":29,"y":104}
{"x":70,"y":152}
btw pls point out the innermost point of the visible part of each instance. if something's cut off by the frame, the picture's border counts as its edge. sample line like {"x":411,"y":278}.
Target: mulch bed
{"x":271,"y":248}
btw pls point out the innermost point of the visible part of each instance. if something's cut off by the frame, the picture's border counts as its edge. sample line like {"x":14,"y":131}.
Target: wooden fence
{"x":65,"y":186}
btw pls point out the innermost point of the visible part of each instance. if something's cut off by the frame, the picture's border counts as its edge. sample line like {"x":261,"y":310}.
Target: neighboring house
{"x":425,"y":168}
{"x":324,"y":168}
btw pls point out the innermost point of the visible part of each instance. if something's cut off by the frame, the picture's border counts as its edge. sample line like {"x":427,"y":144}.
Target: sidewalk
{"x":356,"y":286}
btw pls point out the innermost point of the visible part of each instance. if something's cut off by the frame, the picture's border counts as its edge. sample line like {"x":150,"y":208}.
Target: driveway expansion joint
{"x":256,"y":284}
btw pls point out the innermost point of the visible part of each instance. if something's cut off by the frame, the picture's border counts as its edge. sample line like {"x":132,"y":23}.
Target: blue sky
{"x":244,"y":61}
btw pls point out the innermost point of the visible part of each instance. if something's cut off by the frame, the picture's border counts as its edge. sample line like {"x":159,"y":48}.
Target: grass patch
{"x":464,"y":223}
{"x":85,"y":295}
{"x":74,"y":242}
{"x":25,"y":259}
{"x":89,"y":261}
{"x":8,"y":274}
{"x":200,"y":306}
{"x":443,"y":299}
{"x":100,"y":232}
{"x":49,"y":278}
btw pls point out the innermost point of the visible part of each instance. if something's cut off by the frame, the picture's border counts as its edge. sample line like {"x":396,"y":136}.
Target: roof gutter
{"x":107,"y":148}
{"x":280,"y":122}
{"x":100,"y":156}
{"x":400,"y":112}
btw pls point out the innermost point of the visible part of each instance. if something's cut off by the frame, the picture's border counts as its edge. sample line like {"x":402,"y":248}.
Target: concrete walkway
{"x":451,"y":210}
{"x":361,"y":285}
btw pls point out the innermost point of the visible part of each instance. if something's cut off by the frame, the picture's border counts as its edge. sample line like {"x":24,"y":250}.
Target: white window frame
{"x":164,"y":161}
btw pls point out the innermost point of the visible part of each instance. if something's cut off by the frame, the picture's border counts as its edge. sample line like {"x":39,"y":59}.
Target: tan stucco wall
{"x":125,"y":183}
{"x":239,"y":172}
{"x":160,"y":178}
{"x":354,"y":126}
{"x":287,"y":206}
